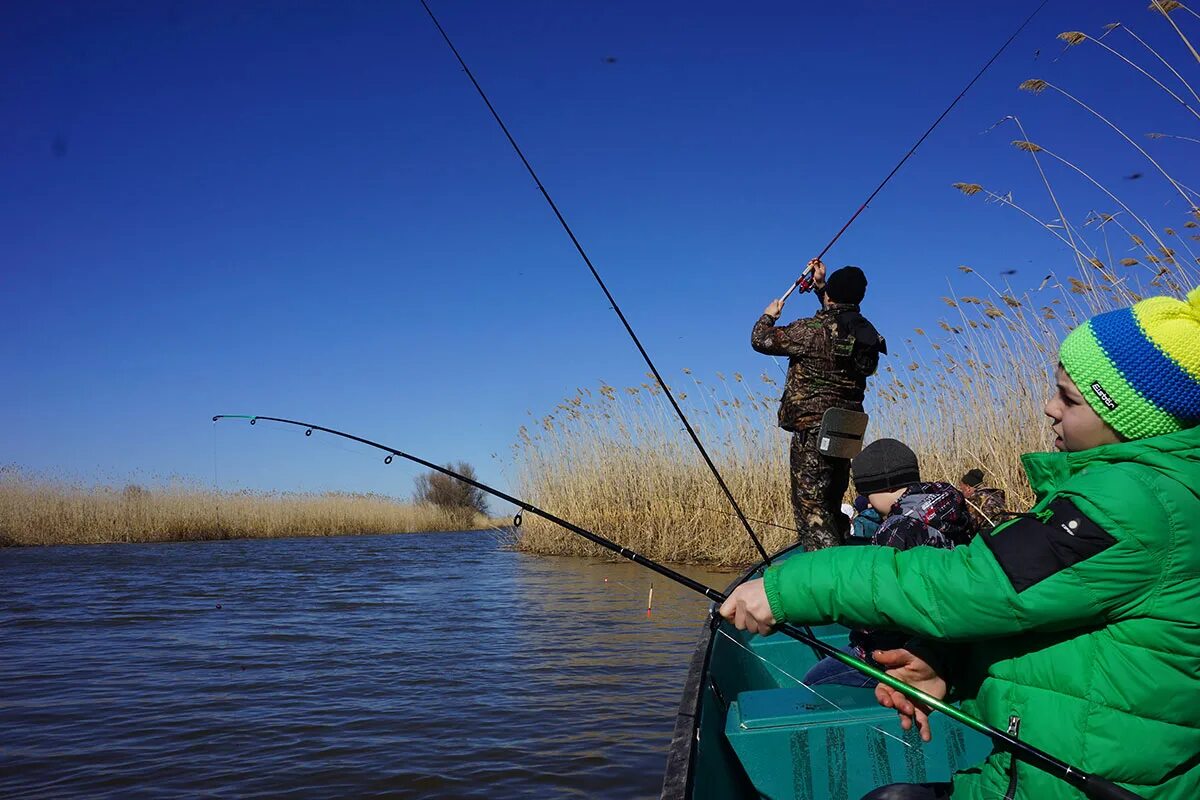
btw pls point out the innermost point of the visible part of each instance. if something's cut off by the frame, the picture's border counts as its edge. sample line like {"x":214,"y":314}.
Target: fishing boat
{"x":747,"y":727}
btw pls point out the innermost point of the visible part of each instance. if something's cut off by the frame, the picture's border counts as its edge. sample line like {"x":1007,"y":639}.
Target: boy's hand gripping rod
{"x":1093,"y":786}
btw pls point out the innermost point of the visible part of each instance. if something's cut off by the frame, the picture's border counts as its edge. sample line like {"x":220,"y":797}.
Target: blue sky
{"x":303,"y":209}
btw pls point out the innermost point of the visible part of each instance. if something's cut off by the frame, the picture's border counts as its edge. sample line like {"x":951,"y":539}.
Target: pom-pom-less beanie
{"x":883,"y":466}
{"x":1139,"y":367}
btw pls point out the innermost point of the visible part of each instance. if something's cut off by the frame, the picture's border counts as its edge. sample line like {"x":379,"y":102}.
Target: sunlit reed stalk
{"x":971,"y":189}
{"x":1165,"y":7}
{"x":1073,"y":38}
{"x":1033,"y":147}
{"x":1049,"y":190}
{"x":1037,"y":86}
{"x":1172,"y":136}
{"x":1114,"y":25}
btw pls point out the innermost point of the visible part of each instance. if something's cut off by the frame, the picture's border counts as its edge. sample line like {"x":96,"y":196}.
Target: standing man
{"x":830,"y":356}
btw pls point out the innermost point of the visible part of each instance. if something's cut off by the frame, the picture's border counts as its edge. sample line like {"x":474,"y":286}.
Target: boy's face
{"x":1075,"y":424}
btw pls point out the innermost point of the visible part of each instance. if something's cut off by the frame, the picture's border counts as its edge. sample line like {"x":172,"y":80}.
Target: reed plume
{"x":1074,"y":38}
{"x":1037,"y":86}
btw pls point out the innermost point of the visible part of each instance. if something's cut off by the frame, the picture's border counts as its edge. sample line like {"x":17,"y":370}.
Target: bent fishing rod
{"x":1091,"y":785}
{"x":804,"y":283}
{"x":611,"y":300}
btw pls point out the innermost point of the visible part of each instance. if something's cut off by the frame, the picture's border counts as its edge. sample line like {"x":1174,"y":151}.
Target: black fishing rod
{"x":1091,"y":785}
{"x":804,"y":282}
{"x":612,"y":300}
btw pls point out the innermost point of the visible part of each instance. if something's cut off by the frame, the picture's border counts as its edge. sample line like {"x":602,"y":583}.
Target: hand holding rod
{"x":803,"y":283}
{"x":1093,"y":786}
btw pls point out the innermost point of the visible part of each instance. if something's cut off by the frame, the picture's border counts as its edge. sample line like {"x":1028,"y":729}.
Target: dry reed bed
{"x":614,"y":461}
{"x":966,"y":393}
{"x":45,"y":512}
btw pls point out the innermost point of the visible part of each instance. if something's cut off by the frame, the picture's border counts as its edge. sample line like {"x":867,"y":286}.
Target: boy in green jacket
{"x":1079,"y":623}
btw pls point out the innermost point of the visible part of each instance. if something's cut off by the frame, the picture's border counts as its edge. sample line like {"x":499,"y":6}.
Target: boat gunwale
{"x":679,"y":774}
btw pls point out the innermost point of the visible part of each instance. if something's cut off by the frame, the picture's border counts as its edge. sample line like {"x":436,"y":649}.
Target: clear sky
{"x":303,"y":209}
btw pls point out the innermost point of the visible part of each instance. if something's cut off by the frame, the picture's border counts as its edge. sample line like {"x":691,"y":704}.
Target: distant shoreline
{"x":39,"y":513}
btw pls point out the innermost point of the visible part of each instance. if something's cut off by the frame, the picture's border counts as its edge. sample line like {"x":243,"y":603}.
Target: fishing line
{"x":913,"y":149}
{"x":728,"y":513}
{"x":1093,"y":786}
{"x":612,"y":300}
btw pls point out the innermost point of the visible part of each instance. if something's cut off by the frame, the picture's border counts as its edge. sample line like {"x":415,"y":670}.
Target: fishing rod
{"x":612,"y":300}
{"x":804,"y":282}
{"x":1091,"y":785}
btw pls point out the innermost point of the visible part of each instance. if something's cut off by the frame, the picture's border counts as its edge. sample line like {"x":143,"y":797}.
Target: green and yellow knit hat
{"x":1139,"y":367}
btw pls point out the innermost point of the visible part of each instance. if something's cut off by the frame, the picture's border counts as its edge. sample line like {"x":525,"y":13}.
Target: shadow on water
{"x":400,"y":666}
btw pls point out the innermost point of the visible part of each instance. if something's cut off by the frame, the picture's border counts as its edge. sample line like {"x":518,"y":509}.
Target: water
{"x":417,"y":665}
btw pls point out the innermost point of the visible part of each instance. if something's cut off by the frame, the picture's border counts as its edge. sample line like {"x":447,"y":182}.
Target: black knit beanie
{"x":973,"y":477}
{"x":884,"y":465}
{"x":846,"y":285}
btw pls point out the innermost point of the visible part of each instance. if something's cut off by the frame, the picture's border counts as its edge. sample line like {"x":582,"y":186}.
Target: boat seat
{"x":785,"y":662}
{"x":793,"y":743}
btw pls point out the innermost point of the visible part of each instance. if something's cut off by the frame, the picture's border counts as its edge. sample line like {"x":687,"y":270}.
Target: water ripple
{"x":384,"y":666}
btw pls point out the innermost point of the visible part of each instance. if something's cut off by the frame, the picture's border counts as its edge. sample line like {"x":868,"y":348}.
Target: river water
{"x":415,"y":665}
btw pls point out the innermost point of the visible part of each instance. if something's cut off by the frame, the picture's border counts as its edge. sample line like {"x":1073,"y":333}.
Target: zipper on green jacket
{"x":1014,"y":727}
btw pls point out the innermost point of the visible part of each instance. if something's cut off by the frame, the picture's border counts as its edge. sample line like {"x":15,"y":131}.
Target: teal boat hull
{"x":746,"y":727}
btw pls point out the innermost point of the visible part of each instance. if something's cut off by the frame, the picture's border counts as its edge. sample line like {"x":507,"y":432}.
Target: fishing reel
{"x":806,"y":281}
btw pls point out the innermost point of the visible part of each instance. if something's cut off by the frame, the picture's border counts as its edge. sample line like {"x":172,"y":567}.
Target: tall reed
{"x":611,"y":460}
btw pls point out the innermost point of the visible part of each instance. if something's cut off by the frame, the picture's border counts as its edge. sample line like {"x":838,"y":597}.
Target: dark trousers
{"x":910,"y":791}
{"x":830,"y":670}
{"x":818,"y":485}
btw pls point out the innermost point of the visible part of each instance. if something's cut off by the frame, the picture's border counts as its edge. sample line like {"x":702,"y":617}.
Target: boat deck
{"x":749,"y":729}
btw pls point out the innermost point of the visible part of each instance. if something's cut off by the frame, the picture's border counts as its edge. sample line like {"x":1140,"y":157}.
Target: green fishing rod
{"x":1094,"y":786}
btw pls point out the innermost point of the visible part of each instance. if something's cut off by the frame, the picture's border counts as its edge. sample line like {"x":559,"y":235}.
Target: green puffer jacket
{"x":1084,"y":617}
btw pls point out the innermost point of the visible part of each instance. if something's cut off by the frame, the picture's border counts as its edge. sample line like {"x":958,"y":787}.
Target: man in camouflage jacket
{"x":987,"y":504}
{"x":830,"y":356}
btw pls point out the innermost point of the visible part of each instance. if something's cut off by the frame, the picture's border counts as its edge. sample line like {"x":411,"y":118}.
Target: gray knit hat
{"x":884,"y":465}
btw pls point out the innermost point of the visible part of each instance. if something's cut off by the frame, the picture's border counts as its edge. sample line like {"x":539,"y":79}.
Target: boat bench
{"x":840,"y":744}
{"x":785,"y":662}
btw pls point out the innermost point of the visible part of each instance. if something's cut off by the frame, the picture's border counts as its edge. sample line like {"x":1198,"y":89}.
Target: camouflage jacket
{"x":987,"y":507}
{"x":830,"y":356}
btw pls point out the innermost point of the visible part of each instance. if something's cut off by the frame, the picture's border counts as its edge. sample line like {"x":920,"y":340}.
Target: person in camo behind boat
{"x":830,"y":356}
{"x":1077,"y":625}
{"x":985,"y":502}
